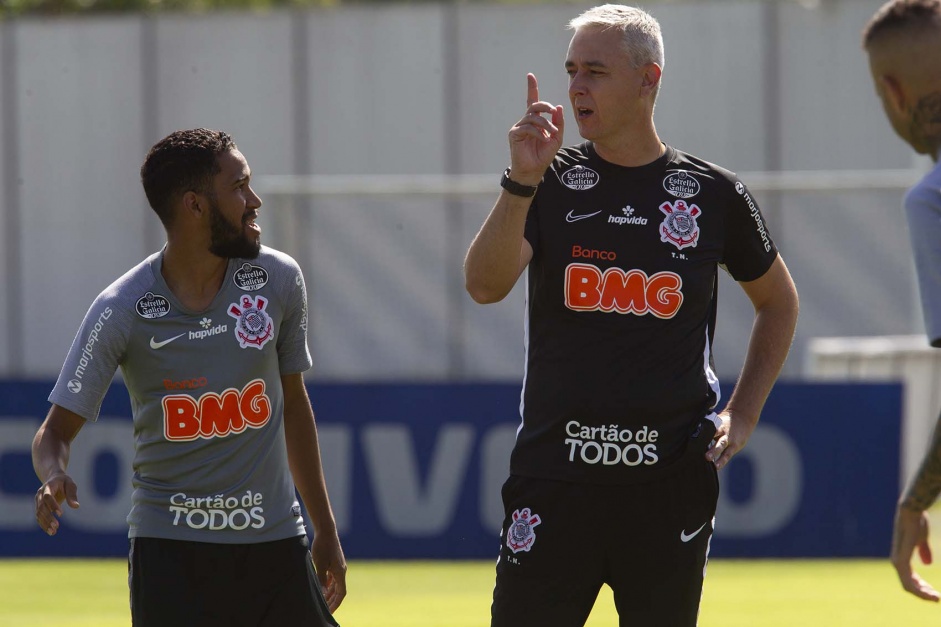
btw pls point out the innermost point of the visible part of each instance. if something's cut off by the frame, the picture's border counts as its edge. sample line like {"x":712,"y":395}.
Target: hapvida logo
{"x":201,"y":335}
{"x":627,"y":218}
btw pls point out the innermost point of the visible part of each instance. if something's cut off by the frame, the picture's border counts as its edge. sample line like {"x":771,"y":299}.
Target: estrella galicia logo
{"x":152,"y":306}
{"x":250,"y":278}
{"x":681,"y":184}
{"x":579,"y":178}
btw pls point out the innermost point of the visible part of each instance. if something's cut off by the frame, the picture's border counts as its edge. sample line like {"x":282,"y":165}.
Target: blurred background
{"x":376,"y":132}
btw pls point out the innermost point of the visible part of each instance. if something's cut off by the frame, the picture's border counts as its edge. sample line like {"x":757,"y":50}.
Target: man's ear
{"x":192,"y":205}
{"x":894,"y":94}
{"x":651,"y":78}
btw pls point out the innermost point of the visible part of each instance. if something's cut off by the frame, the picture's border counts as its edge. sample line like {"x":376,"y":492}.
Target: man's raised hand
{"x":535,"y":139}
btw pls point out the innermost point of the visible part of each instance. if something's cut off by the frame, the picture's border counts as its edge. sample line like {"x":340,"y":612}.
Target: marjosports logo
{"x":88,"y":351}
{"x":216,"y":415}
{"x":611,"y":445}
{"x":254,"y":327}
{"x":219,"y":511}
{"x":587,"y":288}
{"x":755,"y":214}
{"x":520,"y":536}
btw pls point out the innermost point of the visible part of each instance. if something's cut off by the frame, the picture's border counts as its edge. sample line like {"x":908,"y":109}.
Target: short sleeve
{"x":749,"y":250}
{"x":293,"y":351}
{"x":924,"y":227}
{"x":96,"y":352}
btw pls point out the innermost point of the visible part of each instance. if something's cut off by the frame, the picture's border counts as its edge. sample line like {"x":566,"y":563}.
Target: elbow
{"x":483,"y":294}
{"x":794,"y":304}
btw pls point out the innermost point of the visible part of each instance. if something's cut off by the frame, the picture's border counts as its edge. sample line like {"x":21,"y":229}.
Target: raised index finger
{"x":532,"y":90}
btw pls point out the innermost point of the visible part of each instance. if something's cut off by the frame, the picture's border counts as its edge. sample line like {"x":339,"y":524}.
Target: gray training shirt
{"x":923,"y":210}
{"x":210,"y":462}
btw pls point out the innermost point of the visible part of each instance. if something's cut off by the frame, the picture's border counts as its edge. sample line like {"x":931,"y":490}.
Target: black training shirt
{"x":621,"y":305}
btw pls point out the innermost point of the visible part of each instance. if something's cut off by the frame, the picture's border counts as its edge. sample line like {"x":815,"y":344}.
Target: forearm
{"x":926,"y":485}
{"x":50,"y":453}
{"x":768,"y":346}
{"x":492,"y":265}
{"x":303,"y":450}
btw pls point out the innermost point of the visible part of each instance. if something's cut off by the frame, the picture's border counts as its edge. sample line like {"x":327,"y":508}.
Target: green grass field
{"x":739,"y":593}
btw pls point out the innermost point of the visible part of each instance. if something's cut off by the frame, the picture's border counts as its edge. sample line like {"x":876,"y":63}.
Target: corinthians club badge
{"x":520,"y":535}
{"x":253,"y":327}
{"x":679,"y":226}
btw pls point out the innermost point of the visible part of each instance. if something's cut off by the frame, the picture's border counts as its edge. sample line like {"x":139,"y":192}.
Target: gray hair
{"x":642,"y":38}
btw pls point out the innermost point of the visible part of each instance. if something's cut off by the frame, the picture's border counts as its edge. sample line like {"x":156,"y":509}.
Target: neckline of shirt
{"x":653,"y":168}
{"x":161,"y":283}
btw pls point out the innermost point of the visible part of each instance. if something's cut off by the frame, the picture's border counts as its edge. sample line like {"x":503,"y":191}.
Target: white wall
{"x":416,"y":89}
{"x":9,"y":258}
{"x":82,"y":221}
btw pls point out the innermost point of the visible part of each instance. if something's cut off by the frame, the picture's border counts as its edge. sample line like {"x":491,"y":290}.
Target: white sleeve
{"x":923,"y":209}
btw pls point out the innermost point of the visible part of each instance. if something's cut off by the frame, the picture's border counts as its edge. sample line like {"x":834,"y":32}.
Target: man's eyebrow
{"x":595,"y":64}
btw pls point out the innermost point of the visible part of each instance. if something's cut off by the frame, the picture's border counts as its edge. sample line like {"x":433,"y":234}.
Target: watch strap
{"x":517,"y":189}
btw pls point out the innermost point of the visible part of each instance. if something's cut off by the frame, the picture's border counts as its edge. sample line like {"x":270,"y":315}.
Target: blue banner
{"x":414,"y":471}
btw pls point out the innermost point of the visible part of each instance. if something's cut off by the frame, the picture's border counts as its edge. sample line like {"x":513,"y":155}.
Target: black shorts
{"x":197,"y":584}
{"x":649,"y":542}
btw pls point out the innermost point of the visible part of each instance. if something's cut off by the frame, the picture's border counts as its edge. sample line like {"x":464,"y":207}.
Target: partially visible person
{"x":621,"y":237}
{"x":903,"y":40}
{"x":210,"y":334}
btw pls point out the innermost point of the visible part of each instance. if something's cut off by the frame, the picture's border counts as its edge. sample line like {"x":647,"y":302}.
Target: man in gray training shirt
{"x":210,"y":334}
{"x":903,"y":40}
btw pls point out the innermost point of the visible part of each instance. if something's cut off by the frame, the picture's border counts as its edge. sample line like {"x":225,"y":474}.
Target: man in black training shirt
{"x":613,"y":476}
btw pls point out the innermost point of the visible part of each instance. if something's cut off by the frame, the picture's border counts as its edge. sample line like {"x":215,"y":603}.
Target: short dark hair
{"x":897,"y":15}
{"x":180,"y":162}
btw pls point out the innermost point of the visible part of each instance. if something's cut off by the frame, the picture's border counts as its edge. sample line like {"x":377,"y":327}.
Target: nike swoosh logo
{"x":154,"y":344}
{"x":684,"y":537}
{"x":571,"y":217}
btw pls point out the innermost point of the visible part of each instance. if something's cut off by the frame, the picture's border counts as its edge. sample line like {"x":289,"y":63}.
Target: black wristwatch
{"x":517,"y":189}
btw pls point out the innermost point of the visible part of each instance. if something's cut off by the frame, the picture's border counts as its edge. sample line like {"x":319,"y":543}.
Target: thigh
{"x":176,"y":583}
{"x":285,"y":586}
{"x":547,"y":574}
{"x":657,"y":571}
